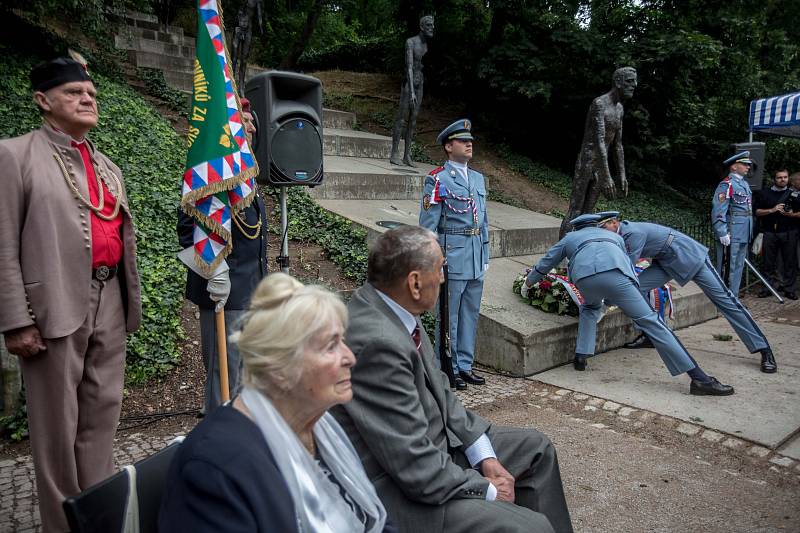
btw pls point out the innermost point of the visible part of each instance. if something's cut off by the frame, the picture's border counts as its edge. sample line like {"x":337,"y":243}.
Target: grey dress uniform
{"x":455,"y":209}
{"x":679,"y":257}
{"x":600,"y":268}
{"x":732,"y":213}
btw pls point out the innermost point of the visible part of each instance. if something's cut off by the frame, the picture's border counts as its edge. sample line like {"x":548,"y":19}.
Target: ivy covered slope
{"x":151,"y":156}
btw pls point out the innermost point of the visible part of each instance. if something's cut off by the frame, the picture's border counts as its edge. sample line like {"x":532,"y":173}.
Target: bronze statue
{"x":411,"y":92}
{"x":603,"y":128}
{"x":242,"y":38}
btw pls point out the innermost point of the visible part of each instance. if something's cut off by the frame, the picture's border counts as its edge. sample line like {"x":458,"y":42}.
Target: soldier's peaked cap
{"x":741,"y":157}
{"x":588,"y":219}
{"x":605,"y":216}
{"x":460,"y":129}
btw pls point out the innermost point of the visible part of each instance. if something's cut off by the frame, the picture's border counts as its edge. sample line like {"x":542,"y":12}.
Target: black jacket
{"x":247,"y":261}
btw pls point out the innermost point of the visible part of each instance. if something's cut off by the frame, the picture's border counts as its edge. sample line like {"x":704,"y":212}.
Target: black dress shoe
{"x":642,"y":341}
{"x":763,"y":293}
{"x":768,"y":364}
{"x":460,"y":384}
{"x":791,"y":295}
{"x":710,"y":388}
{"x":579,"y":362}
{"x":472,"y":378}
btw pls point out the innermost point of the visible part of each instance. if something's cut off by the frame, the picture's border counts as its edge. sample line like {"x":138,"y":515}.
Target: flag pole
{"x":222,"y":352}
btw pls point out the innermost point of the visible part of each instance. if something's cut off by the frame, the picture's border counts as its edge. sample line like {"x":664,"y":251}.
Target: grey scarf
{"x":318,"y":504}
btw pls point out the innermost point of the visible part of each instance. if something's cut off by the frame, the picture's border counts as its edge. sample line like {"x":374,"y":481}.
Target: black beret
{"x":57,"y":72}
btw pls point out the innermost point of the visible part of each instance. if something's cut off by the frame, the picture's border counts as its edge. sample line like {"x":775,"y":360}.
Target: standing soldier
{"x":70,"y":286}
{"x":732,"y":217}
{"x":454,"y":207}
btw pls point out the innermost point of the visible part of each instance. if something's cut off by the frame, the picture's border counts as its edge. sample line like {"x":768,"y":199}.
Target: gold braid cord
{"x":101,"y":192}
{"x":241,"y":222}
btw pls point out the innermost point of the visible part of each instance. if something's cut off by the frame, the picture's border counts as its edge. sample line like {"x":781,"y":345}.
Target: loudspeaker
{"x":757,"y":152}
{"x":288,"y":110}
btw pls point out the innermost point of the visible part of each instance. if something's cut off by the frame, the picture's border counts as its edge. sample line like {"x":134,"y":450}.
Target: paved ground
{"x":630,"y":462}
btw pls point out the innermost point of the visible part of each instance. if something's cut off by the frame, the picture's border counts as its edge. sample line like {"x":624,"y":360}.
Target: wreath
{"x":552,"y":294}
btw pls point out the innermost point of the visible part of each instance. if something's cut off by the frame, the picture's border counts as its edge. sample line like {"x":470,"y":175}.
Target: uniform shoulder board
{"x":435,"y":171}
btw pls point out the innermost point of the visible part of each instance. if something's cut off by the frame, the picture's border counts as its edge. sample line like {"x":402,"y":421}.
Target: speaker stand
{"x":283,"y":259}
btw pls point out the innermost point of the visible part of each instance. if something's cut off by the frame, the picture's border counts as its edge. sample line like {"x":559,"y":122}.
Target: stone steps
{"x":352,"y":143}
{"x":343,"y":120}
{"x":131,"y":42}
{"x":151,"y":45}
{"x":167,"y":63}
{"x":361,"y":178}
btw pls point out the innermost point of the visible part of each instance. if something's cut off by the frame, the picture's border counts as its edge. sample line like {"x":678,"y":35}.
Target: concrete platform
{"x":351,"y":143}
{"x":332,"y":118}
{"x":763,"y":410}
{"x":512,"y":231}
{"x":515,"y":337}
{"x":361,"y":178}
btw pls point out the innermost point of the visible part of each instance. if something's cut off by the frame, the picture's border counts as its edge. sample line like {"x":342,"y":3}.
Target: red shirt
{"x":107,"y":245}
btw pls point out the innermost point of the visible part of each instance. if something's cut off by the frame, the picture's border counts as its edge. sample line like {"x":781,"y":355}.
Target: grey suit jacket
{"x":404,"y":421}
{"x":45,"y":242}
{"x":682,"y":258}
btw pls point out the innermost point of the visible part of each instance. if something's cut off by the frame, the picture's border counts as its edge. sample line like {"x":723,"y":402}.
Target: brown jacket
{"x":45,"y":236}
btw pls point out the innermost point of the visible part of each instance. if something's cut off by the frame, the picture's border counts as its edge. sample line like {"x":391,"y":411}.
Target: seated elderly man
{"x":435,"y":465}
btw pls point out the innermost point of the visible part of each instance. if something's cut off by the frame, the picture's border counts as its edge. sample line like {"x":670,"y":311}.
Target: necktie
{"x":415,"y":336}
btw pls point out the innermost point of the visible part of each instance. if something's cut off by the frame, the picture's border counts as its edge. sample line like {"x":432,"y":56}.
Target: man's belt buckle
{"x":102,"y":273}
{"x":474,"y":231}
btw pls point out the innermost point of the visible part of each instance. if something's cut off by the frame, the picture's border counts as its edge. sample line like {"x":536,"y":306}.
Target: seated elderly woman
{"x":273,"y":459}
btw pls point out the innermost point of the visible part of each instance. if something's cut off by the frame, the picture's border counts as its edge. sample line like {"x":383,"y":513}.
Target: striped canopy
{"x":778,"y":115}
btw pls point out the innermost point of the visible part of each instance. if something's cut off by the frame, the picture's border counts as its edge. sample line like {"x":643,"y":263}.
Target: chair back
{"x":101,"y":508}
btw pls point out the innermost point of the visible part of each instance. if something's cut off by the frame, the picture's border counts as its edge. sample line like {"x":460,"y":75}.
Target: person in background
{"x":779,"y":224}
{"x":231,"y":290}
{"x":599,"y":266}
{"x":70,"y":286}
{"x":274,"y":459}
{"x":732,"y":217}
{"x":436,"y":465}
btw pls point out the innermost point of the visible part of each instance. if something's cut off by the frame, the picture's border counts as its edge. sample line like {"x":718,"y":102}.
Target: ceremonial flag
{"x":219,"y":179}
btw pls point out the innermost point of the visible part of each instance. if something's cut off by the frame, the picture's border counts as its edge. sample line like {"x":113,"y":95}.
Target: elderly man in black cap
{"x":68,"y":265}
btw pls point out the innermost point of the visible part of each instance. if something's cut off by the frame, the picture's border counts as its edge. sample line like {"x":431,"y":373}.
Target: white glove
{"x":219,"y":288}
{"x":524,"y":289}
{"x":725,"y":240}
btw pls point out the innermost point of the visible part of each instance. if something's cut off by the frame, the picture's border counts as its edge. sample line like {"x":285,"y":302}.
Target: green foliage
{"x":151,"y":157}
{"x":344,"y":244}
{"x":15,"y":425}
{"x":338,"y":101}
{"x":157,"y":86}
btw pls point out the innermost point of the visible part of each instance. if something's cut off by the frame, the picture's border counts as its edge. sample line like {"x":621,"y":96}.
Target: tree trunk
{"x":299,"y":46}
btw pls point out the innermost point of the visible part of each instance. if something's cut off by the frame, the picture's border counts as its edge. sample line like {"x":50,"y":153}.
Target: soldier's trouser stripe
{"x":736,"y":314}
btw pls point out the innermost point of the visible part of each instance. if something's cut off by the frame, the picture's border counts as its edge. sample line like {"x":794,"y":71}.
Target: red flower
{"x":545,"y":285}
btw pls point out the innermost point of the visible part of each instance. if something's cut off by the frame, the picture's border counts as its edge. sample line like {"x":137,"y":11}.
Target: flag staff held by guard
{"x":219,"y":180}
